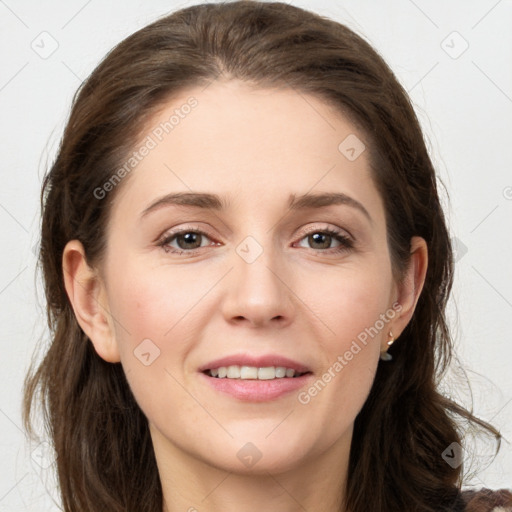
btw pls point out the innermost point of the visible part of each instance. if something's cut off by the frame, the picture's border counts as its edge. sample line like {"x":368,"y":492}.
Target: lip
{"x":257,"y":390}
{"x":263,"y":361}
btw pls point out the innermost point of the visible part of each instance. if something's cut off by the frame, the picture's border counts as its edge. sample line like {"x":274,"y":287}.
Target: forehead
{"x":249,"y":144}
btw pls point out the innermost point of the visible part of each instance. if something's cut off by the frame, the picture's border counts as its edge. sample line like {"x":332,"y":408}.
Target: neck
{"x":190,"y":484}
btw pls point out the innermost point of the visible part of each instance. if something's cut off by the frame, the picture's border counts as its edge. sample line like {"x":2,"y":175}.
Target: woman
{"x":255,"y":369}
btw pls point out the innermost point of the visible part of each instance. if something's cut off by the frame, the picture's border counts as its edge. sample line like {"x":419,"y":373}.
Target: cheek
{"x":350,"y":301}
{"x":152,"y":302}
{"x":354,"y":307}
{"x":152,"y":325}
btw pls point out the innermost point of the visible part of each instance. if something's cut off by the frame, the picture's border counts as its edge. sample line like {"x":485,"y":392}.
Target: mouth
{"x":254,"y":372}
{"x":256,"y":384}
{"x":255,"y":378}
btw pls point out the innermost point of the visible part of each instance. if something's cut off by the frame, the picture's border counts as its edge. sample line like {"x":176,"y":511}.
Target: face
{"x":257,"y":269}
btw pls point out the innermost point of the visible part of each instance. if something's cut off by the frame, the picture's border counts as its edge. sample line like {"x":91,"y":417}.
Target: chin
{"x":279,"y":453}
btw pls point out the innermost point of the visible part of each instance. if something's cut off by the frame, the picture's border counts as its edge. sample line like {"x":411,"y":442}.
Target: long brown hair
{"x":105,"y":458}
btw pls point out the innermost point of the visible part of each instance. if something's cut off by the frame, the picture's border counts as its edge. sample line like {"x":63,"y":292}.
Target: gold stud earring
{"x":384,"y":356}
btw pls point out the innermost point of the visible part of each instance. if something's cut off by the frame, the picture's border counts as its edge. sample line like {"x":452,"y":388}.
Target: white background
{"x":465,"y":107}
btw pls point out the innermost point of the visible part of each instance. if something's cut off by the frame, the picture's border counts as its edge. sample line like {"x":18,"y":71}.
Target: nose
{"x":258,"y":292}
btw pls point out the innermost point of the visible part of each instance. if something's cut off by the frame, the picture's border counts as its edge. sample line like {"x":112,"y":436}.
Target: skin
{"x":299,"y":298}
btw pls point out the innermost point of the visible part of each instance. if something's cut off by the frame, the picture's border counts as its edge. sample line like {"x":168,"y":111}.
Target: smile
{"x":253,"y":372}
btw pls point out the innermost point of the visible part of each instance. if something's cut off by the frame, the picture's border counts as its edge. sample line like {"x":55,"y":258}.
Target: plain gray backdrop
{"x":455,"y":60}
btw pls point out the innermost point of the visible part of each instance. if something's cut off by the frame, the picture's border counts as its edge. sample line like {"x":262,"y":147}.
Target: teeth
{"x":281,"y":372}
{"x":233,"y":372}
{"x":248,"y":372}
{"x":267,"y":373}
{"x":252,"y":372}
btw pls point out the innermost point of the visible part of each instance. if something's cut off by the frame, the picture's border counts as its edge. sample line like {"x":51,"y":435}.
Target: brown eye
{"x":186,"y":240}
{"x":322,"y":240}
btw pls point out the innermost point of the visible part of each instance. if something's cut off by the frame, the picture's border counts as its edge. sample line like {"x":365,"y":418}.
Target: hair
{"x":105,"y":458}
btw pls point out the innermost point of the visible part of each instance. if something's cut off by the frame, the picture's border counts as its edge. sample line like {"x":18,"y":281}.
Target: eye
{"x":324,"y":237}
{"x":188,"y":240}
{"x":191,"y":240}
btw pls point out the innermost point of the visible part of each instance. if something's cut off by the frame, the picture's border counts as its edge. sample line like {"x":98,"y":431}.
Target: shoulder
{"x":487,"y":500}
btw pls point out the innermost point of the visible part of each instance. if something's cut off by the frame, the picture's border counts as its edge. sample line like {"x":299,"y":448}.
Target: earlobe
{"x":86,"y":293}
{"x":409,"y":291}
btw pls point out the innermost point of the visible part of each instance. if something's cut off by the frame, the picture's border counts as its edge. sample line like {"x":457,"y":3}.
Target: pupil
{"x":189,"y":238}
{"x":315,"y":237}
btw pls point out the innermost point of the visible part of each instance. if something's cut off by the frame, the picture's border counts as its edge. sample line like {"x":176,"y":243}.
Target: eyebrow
{"x":217,"y":203}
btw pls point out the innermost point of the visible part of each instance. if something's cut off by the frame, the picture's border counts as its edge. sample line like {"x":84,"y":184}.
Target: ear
{"x":410,"y":289}
{"x":88,"y":298}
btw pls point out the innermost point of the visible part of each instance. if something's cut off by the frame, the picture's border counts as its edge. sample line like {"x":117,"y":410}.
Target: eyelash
{"x":345,"y":242}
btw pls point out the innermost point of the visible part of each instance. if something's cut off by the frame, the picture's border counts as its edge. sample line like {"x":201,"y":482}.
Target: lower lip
{"x":257,"y":390}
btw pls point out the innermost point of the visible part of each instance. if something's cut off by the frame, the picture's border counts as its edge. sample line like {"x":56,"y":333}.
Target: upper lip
{"x":257,"y":361}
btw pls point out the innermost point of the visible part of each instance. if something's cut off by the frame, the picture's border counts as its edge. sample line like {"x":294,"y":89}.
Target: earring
{"x":384,"y":356}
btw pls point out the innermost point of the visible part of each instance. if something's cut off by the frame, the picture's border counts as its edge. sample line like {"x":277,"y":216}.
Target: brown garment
{"x":487,"y":500}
